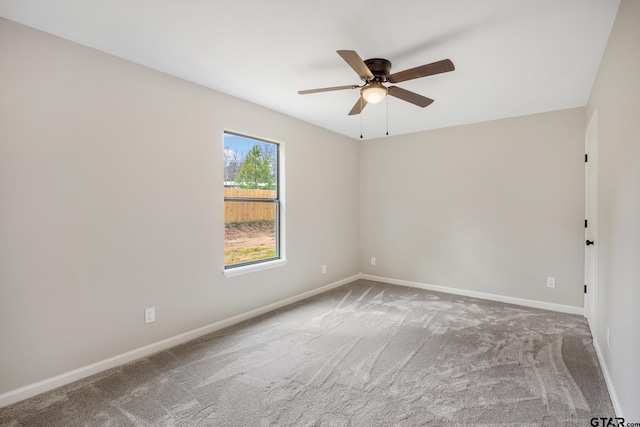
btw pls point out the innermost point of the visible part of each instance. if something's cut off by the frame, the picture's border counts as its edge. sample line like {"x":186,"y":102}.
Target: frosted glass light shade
{"x":374,"y":93}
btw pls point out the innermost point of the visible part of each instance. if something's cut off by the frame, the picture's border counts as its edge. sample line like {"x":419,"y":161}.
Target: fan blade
{"x":327,"y":89}
{"x":355,"y":62}
{"x":422,"y":71}
{"x":357,"y":109}
{"x":412,"y":97}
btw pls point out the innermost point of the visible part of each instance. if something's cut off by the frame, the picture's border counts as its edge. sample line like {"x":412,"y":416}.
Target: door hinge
{"x":586,"y":158}
{"x":585,"y":224}
{"x":585,"y":289}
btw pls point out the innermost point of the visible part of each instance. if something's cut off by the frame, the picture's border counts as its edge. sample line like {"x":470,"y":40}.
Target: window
{"x":251,"y":201}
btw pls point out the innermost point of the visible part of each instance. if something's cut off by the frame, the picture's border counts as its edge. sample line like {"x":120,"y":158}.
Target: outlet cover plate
{"x":149,"y":315}
{"x":551,"y":282}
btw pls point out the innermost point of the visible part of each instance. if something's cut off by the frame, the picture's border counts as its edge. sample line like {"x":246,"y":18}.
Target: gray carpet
{"x":365,"y":354}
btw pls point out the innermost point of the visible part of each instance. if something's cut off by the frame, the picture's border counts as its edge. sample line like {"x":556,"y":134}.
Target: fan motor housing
{"x":380,"y":68}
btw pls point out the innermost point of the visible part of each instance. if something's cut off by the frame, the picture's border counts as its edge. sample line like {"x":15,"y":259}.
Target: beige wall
{"x":616,"y":96}
{"x":493,"y":207}
{"x":111,"y":201}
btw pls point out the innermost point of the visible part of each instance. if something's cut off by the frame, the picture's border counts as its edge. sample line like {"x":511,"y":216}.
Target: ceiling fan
{"x":376,"y":71}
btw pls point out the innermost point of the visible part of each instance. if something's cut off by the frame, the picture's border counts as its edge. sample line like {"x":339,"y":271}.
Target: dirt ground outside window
{"x":249,"y":241}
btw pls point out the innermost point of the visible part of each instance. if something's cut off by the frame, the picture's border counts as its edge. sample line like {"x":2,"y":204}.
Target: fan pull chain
{"x":360,"y":116}
{"x":387,"y":116}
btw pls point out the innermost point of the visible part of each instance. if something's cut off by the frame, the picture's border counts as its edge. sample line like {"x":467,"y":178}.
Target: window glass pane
{"x":251,"y":200}
{"x":249,"y":231}
{"x":250,"y":164}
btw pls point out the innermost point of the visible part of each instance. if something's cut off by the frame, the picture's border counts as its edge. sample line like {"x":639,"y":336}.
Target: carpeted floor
{"x":365,"y":354}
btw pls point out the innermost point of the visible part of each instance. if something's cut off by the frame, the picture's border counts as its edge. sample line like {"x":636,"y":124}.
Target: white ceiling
{"x":512,"y":57}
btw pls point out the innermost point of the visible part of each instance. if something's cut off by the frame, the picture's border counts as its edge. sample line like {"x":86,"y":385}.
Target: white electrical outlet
{"x":608,"y":337}
{"x":551,"y":282}
{"x":149,"y":315}
{"x":373,"y":261}
{"x":324,"y":269}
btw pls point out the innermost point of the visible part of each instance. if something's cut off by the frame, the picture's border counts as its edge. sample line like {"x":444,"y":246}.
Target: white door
{"x":590,"y":212}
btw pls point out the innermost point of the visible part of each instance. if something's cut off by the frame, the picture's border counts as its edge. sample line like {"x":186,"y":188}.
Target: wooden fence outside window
{"x":238,"y":211}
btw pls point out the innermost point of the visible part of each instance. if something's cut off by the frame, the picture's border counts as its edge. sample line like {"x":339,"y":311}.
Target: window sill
{"x":237,"y":271}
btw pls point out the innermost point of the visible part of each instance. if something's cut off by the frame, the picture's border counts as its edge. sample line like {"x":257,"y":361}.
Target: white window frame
{"x":280,"y":260}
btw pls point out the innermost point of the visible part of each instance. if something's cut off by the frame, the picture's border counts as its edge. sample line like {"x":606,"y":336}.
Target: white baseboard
{"x":482,"y":295}
{"x":607,"y":378}
{"x":31,"y":390}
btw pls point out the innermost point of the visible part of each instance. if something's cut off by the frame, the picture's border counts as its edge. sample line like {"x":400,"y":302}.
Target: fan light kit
{"x":374,"y":93}
{"x":376,"y":71}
